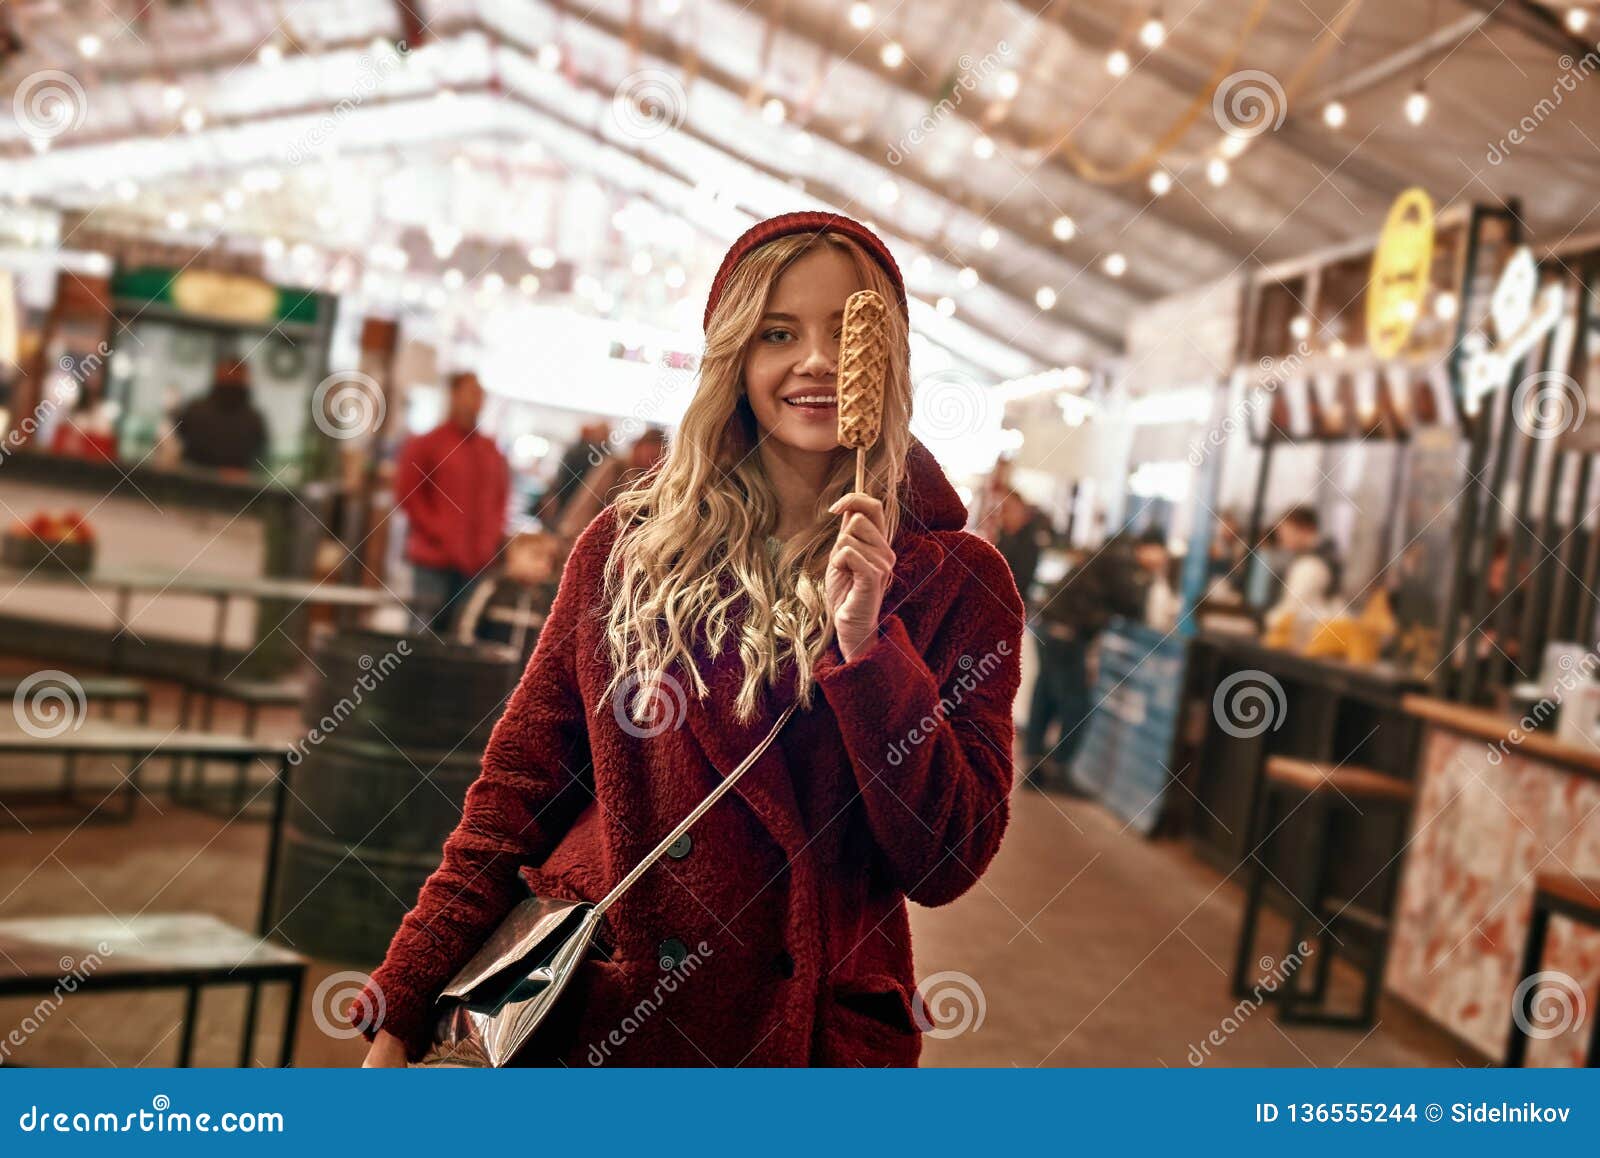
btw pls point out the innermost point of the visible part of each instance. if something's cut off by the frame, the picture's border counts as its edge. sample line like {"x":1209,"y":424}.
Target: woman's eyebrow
{"x":782,"y":317}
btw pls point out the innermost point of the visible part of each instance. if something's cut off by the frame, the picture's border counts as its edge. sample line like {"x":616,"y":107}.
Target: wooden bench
{"x":106,"y":690}
{"x":187,"y":951}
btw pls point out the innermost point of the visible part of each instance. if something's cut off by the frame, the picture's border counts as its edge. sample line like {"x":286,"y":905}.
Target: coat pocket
{"x":873,"y":1023}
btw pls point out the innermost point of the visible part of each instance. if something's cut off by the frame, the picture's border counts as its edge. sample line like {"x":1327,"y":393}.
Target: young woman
{"x":741,"y":575}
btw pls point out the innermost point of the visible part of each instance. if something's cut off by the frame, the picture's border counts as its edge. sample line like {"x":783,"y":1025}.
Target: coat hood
{"x":927,"y":500}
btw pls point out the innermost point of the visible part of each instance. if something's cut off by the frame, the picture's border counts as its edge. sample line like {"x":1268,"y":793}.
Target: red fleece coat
{"x":453,"y":485}
{"x":790,"y":899}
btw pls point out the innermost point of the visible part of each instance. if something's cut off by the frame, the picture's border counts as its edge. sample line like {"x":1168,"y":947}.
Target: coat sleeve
{"x":535,"y":780}
{"x":933,"y":755}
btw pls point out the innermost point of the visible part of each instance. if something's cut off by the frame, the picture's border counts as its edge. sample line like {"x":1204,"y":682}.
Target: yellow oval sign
{"x":228,"y":296}
{"x":1401,"y":270}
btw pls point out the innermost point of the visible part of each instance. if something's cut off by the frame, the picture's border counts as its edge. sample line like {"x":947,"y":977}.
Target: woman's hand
{"x":859,"y":570}
{"x":387,"y":1052}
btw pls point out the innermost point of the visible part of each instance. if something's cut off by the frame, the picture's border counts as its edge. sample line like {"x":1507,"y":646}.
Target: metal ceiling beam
{"x":1399,"y":63}
{"x":1098,"y":34}
{"x":1537,"y":23}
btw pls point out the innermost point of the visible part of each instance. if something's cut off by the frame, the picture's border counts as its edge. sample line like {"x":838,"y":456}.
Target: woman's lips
{"x":813,"y":405}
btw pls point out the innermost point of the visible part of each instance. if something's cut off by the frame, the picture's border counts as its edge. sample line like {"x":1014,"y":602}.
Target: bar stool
{"x":1554,"y":894}
{"x":1331,"y":794}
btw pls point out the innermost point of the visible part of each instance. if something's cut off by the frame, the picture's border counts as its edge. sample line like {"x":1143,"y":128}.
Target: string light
{"x":1300,"y":326}
{"x":861,"y":17}
{"x":1007,"y":85}
{"x":888,"y":193}
{"x":1577,"y":20}
{"x":1445,"y":306}
{"x":549,"y":57}
{"x":968,"y":278}
{"x":1160,"y":182}
{"x":89,"y":46}
{"x":773,"y":111}
{"x":921,"y":265}
{"x":989,"y":237}
{"x":172,"y":98}
{"x":1334,"y":115}
{"x":1153,"y":32}
{"x":1064,"y":228}
{"x":193,"y":119}
{"x":1417,"y":105}
{"x":946,"y":307}
{"x":892,"y":54}
{"x":1116,"y":265}
{"x":1233,"y":147}
{"x":270,"y":55}
{"x":982,"y":148}
{"x":1117,"y":62}
{"x":1045,"y":298}
{"x":1217,"y":171}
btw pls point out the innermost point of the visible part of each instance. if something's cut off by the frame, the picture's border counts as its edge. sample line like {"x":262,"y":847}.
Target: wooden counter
{"x":1506,"y":734}
{"x":1491,"y":812}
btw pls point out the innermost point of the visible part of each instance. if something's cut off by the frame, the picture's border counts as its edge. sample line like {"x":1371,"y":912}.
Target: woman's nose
{"x":818,"y":360}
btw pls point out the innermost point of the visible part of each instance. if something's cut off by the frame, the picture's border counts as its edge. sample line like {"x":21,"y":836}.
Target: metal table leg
{"x":291,"y":1018}
{"x":250,"y":1005}
{"x":191,"y":1011}
{"x":280,"y":797}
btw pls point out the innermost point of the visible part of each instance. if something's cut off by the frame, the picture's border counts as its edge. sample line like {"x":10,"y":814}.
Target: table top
{"x":105,"y":947}
{"x":107,"y":736}
{"x":190,"y":583}
{"x":1497,"y":727}
{"x":1382,"y":676}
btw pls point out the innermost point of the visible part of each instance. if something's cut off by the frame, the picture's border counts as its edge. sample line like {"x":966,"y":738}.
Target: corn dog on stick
{"x":863,"y":365}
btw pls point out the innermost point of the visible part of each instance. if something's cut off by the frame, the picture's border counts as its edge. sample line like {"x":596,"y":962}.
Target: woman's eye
{"x":776,"y":335}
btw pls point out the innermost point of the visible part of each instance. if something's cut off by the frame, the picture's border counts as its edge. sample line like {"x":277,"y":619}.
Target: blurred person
{"x":222,"y":429}
{"x":591,"y":449}
{"x":1226,"y":557}
{"x":742,"y":578}
{"x":616,"y":473}
{"x":1021,"y":535}
{"x":1114,"y":581}
{"x":453,"y":484}
{"x":1310,"y":569}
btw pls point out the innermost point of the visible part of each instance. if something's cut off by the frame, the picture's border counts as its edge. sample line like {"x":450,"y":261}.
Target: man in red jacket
{"x":453,"y":485}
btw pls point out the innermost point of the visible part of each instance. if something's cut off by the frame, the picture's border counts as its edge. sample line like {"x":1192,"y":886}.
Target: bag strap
{"x":699,"y":810}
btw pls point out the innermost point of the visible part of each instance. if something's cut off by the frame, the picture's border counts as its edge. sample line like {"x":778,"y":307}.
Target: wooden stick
{"x":861,"y":469}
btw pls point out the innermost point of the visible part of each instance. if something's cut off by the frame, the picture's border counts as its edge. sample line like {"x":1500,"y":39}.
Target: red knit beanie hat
{"x":808,"y":222}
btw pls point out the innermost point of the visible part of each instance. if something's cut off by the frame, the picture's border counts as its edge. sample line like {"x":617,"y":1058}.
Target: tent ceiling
{"x":508,"y":107}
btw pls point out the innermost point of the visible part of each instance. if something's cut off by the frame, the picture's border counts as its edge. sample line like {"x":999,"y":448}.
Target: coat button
{"x":671,"y":953}
{"x":679,"y":848}
{"x":784,"y":964}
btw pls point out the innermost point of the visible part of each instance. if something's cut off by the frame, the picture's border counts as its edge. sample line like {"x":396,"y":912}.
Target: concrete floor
{"x":1083,"y":945}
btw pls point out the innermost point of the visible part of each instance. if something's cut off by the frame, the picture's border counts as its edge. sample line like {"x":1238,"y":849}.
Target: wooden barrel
{"x":395,"y":732}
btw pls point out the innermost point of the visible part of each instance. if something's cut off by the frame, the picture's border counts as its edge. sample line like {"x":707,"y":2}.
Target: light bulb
{"x":967,"y":278}
{"x":1117,"y":63}
{"x":888,"y":193}
{"x":1116,"y":264}
{"x":1217,"y":171}
{"x":1152,"y":32}
{"x":946,"y":307}
{"x":773,"y":111}
{"x":861,"y":17}
{"x":921,"y":265}
{"x":270,"y":55}
{"x":989,"y":237}
{"x":89,"y":46}
{"x":1064,"y":228}
{"x":1007,"y":84}
{"x":892,"y":54}
{"x":1045,"y":298}
{"x":1445,"y":306}
{"x":549,"y":57}
{"x":1334,"y":115}
{"x":193,"y":119}
{"x":172,"y":98}
{"x":1577,"y":20}
{"x":1417,"y":106}
{"x":1160,"y":182}
{"x":982,"y":148}
{"x":1233,"y":147}
{"x":1300,"y":326}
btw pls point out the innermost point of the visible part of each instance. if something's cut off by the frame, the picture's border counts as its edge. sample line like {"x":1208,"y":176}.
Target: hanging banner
{"x":1401,"y":272}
